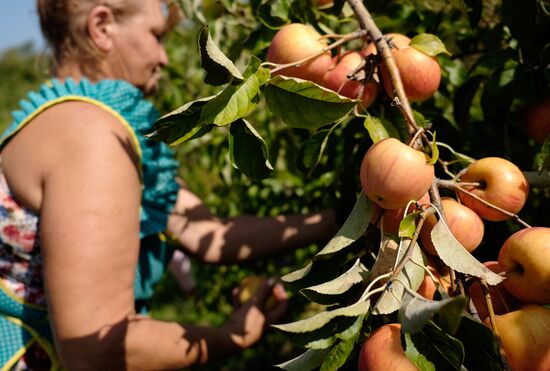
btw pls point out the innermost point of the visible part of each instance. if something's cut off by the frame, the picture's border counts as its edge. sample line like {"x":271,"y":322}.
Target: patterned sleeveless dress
{"x":25,"y":335}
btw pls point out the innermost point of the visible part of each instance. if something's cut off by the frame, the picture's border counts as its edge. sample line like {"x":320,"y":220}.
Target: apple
{"x":419,"y":72}
{"x":502,"y":184}
{"x":501,"y":299}
{"x":536,"y":120}
{"x":383,"y":351}
{"x":525,"y":257}
{"x":251,"y":284}
{"x":524,"y":335}
{"x":428,"y":288}
{"x":322,"y":4}
{"x":393,"y":173}
{"x":337,"y":79}
{"x":465,"y":225}
{"x":391,"y":218}
{"x":294,"y":42}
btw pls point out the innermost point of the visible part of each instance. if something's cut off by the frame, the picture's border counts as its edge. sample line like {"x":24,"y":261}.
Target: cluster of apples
{"x":294,"y":42}
{"x":393,"y":173}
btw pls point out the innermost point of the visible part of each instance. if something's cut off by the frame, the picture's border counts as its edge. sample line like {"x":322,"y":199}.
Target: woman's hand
{"x":248,"y":322}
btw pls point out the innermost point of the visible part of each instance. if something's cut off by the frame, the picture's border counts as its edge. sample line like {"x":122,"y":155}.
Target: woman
{"x":86,"y":203}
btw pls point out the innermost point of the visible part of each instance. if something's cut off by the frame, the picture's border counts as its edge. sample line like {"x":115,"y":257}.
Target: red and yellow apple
{"x":383,"y":351}
{"x":390,"y":219}
{"x":501,"y":183}
{"x":251,"y":284}
{"x":524,"y":335}
{"x":428,"y":287}
{"x":525,"y":257}
{"x":393,"y":173}
{"x":502,"y":300}
{"x":337,"y":79}
{"x":419,"y":72}
{"x":536,"y":120}
{"x":294,"y":42}
{"x":465,"y":225}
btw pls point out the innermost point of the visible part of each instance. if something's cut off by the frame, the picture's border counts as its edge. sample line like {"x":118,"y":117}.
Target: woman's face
{"x":138,"y":55}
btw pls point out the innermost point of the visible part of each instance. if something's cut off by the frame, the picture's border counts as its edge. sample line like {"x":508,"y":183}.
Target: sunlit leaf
{"x":411,"y":276}
{"x":379,"y":128}
{"x":321,"y":319}
{"x":248,"y":150}
{"x":429,"y":44}
{"x":310,"y":360}
{"x":457,"y":257}
{"x":181,"y":124}
{"x":435,"y":152}
{"x":297,"y":274}
{"x":338,"y":355}
{"x":303,"y":104}
{"x":407,"y":226}
{"x":219,"y":69}
{"x":329,"y":292}
{"x":354,"y":227}
{"x":274,"y":14}
{"x":235,"y":101}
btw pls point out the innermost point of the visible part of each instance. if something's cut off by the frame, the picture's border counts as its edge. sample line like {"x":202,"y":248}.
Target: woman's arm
{"x":89,"y":223}
{"x":219,"y":241}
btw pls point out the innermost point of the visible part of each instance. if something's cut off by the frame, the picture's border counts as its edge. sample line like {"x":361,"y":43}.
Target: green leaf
{"x":380,"y":129}
{"x":303,"y":104}
{"x":415,"y":311}
{"x":312,"y":150}
{"x":181,"y":124}
{"x":411,"y":276}
{"x":431,"y":349}
{"x":330,"y":292}
{"x":435,"y":152}
{"x":338,"y":355}
{"x":457,"y":257}
{"x":235,"y":101}
{"x":297,"y":274}
{"x":248,"y":150}
{"x":407,"y":225}
{"x":310,"y":360}
{"x":429,"y":44}
{"x":321,"y":319}
{"x":480,"y":346}
{"x":219,"y":69}
{"x":354,"y":227}
{"x":274,"y":14}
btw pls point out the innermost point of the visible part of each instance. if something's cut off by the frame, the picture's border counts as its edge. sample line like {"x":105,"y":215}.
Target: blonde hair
{"x":63,"y":24}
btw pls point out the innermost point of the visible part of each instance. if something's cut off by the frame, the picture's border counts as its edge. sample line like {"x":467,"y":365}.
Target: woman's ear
{"x":100,"y":25}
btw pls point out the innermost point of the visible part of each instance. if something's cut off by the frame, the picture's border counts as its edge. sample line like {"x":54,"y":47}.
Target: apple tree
{"x":424,"y":125}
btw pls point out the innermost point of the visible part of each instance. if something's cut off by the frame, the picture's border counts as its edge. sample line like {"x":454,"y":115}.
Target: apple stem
{"x":343,"y":39}
{"x":453,"y":185}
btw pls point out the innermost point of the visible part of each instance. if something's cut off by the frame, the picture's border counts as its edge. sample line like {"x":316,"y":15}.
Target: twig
{"x":455,"y":186}
{"x":366,"y":23}
{"x":343,"y":39}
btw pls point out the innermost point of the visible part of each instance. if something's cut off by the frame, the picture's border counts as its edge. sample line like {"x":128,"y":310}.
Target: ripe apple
{"x":383,"y":351}
{"x":393,"y":173}
{"x":524,"y":334}
{"x":525,"y":257}
{"x":337,"y":79}
{"x":391,"y":218}
{"x":322,"y":4}
{"x":419,"y":72}
{"x":536,"y":120}
{"x":427,"y":288}
{"x":251,"y":284}
{"x":502,"y":184}
{"x":502,"y":300}
{"x":294,"y":42}
{"x":465,"y":225}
